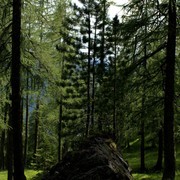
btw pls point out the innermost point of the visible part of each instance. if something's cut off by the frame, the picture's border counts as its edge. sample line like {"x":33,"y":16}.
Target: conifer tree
{"x":169,"y":157}
{"x":16,"y":96}
{"x":143,"y":31}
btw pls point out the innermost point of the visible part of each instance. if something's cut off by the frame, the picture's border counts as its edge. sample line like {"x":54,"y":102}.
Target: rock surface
{"x":96,"y":159}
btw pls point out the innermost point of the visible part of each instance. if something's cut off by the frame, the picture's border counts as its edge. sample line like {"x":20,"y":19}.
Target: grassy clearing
{"x":29,"y":174}
{"x":3,"y":175}
{"x":152,"y":176}
{"x":147,"y":176}
{"x":132,"y":155}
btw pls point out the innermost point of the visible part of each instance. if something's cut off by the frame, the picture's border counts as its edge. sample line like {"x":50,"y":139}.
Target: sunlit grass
{"x":147,"y":176}
{"x":3,"y":175}
{"x":152,"y":176}
{"x":29,"y":174}
{"x":132,"y":155}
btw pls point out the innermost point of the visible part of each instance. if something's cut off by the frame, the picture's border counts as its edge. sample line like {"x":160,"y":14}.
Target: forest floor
{"x":132,"y":155}
{"x":29,"y":174}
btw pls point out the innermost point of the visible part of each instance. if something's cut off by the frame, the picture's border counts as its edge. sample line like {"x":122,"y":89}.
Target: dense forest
{"x":70,"y":70}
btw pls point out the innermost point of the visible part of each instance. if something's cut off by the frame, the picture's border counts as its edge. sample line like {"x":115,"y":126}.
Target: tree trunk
{"x":26,"y":121}
{"x":89,"y":71}
{"x":102,"y":55}
{"x":142,"y":166}
{"x":115,"y":26}
{"x":169,"y":157}
{"x":59,"y":132}
{"x":93,"y":74}
{"x":16,"y":97}
{"x":158,"y":165}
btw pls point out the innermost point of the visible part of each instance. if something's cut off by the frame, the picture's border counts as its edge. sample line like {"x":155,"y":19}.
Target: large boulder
{"x":96,"y":159}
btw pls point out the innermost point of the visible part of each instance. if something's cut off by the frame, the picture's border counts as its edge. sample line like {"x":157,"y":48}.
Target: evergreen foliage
{"x":83,"y":72}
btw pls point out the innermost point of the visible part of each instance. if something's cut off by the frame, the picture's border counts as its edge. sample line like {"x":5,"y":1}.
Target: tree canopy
{"x":69,"y":70}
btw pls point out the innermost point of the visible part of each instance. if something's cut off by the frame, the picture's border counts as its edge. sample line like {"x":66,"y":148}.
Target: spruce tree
{"x":169,"y":156}
{"x":16,"y":96}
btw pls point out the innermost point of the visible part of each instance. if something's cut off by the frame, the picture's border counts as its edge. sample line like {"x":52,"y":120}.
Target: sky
{"x":115,"y":9}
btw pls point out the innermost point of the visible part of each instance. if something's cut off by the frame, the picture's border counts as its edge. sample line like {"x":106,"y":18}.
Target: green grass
{"x":155,"y":176}
{"x":3,"y":175}
{"x":132,"y":155}
{"x":29,"y":174}
{"x":152,"y":176}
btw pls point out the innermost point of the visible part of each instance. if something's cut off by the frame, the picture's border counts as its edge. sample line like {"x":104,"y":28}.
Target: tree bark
{"x":102,"y":55}
{"x":26,"y":121}
{"x":169,"y":157}
{"x":93,"y":73}
{"x":89,"y":71}
{"x":158,"y":165}
{"x":60,"y":131}
{"x":115,"y":26}
{"x":142,"y":149}
{"x":16,"y":97}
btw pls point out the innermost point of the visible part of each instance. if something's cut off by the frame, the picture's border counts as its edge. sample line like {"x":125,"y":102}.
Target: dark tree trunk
{"x":26,"y":121}
{"x":169,"y":158}
{"x":102,"y":56}
{"x":89,"y":71}
{"x":102,"y":42}
{"x":158,"y":165}
{"x":115,"y":29}
{"x":16,"y":97}
{"x":60,"y":117}
{"x":59,"y":132}
{"x":142,"y":149}
{"x":93,"y":73}
{"x":142,"y":133}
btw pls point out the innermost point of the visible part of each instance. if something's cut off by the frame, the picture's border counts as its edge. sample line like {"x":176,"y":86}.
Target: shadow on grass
{"x":132,"y":156}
